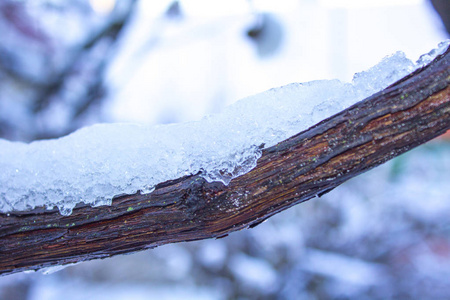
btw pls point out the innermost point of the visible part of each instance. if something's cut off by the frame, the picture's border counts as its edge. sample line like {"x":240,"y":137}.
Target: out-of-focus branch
{"x":71,"y":87}
{"x":111,"y":32}
{"x":442,"y":7}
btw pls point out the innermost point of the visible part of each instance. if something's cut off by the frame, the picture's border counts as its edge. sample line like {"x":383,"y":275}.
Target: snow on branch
{"x":404,"y":115}
{"x":96,"y":163}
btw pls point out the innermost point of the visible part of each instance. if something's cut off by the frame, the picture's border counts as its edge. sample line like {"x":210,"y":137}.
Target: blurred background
{"x":383,"y":235}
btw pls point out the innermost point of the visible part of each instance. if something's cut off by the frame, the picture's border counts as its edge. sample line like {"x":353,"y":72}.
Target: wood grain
{"x":408,"y":113}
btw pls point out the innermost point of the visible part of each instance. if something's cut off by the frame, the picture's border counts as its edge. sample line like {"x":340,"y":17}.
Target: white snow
{"x":57,"y":289}
{"x":343,"y":268}
{"x":96,"y":163}
{"x":253,"y":272}
{"x":213,"y":254}
{"x":54,"y":269}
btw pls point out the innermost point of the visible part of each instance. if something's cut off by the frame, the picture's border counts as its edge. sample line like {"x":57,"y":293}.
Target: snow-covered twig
{"x":406,"y":114}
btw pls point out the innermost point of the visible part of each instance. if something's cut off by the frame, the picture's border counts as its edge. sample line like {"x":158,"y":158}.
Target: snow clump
{"x":96,"y":163}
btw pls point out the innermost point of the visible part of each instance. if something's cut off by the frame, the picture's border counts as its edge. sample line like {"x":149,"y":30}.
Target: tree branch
{"x":309,"y":164}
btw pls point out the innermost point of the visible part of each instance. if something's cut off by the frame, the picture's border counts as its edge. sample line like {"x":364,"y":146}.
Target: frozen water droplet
{"x":65,"y":211}
{"x":425,"y":59}
{"x":99,"y":201}
{"x":147,"y":189}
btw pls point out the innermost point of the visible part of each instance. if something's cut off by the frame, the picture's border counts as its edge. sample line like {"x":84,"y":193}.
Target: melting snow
{"x":95,"y":163}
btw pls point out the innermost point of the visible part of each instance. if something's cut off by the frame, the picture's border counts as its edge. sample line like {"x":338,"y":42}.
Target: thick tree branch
{"x":309,"y":164}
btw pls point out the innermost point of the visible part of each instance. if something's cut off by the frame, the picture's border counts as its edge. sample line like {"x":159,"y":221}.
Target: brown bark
{"x":309,"y":164}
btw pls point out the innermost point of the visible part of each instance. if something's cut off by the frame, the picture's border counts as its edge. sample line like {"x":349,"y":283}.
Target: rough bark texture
{"x":309,"y":164}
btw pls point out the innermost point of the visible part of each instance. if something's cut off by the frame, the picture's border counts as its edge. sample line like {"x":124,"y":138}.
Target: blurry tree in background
{"x":383,"y":235}
{"x":52,"y":78}
{"x":443,"y":9}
